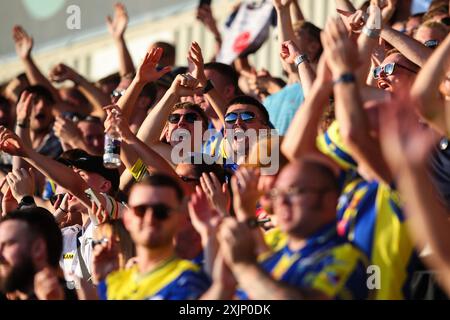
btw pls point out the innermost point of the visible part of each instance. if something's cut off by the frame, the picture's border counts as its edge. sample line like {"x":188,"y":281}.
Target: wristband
{"x":24,"y":125}
{"x":345,"y":78}
{"x":209,"y":86}
{"x":371,"y":33}
{"x":300,"y":59}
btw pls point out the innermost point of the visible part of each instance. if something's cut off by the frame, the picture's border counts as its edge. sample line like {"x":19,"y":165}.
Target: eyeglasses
{"x":388,"y":69}
{"x":56,"y":197}
{"x":290,"y":193}
{"x":190,"y":179}
{"x":245,"y":116}
{"x":431,"y":44}
{"x":159,"y":210}
{"x":77,"y":118}
{"x":190,"y":117}
{"x":117,"y":93}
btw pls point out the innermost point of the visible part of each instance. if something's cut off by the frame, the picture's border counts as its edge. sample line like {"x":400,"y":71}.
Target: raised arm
{"x":341,"y":54}
{"x":146,"y":73}
{"x":24,"y":45}
{"x":409,"y":47}
{"x":426,"y":89}
{"x":205,"y":16}
{"x":301,"y":136}
{"x":59,"y":173}
{"x":23,"y":112}
{"x":117,"y":27}
{"x":407,"y":146}
{"x":95,"y":96}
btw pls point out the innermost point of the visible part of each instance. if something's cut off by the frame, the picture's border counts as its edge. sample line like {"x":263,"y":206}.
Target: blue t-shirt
{"x":283,"y":105}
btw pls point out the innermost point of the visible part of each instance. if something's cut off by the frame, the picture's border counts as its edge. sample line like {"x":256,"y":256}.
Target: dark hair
{"x":41,"y":223}
{"x":149,"y":91}
{"x":314,"y":32}
{"x":169,"y":50}
{"x":162,"y":180}
{"x":5,"y":103}
{"x":112,"y":78}
{"x":194,"y":107}
{"x":200,"y":168}
{"x":253,"y":102}
{"x":227,"y":72}
{"x":41,"y":92}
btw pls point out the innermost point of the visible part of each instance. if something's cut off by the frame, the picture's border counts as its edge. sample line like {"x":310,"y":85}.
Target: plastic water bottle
{"x":113,"y":140}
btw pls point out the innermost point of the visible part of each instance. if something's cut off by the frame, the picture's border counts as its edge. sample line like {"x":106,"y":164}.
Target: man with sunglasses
{"x":245,"y":118}
{"x":396,"y":73}
{"x":315,"y":263}
{"x":153,"y":220}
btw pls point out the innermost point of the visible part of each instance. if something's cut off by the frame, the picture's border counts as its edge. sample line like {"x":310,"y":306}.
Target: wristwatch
{"x":371,"y":33}
{"x":23,"y":124}
{"x":26,"y":202}
{"x":300,"y":59}
{"x":345,"y":78}
{"x":209,"y":86}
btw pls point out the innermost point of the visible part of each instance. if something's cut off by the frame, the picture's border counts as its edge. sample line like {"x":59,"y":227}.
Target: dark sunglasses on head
{"x":190,"y":117}
{"x":160,"y":211}
{"x":55,"y":198}
{"x":388,"y":69}
{"x":245,"y":116}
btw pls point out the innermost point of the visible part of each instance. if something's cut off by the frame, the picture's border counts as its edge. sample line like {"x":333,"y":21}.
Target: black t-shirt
{"x":440,"y":170}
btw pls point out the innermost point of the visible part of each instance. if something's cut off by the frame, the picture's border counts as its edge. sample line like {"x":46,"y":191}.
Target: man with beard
{"x":30,"y":249}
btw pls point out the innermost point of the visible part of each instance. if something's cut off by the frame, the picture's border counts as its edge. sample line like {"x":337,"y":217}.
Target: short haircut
{"x":169,"y":50}
{"x":41,"y":223}
{"x":41,"y":93}
{"x":439,"y":26}
{"x":395,"y":51}
{"x":193,"y":107}
{"x":149,"y":91}
{"x":227,"y":72}
{"x":322,"y":171}
{"x":313,"y":31}
{"x":162,"y":180}
{"x":253,"y":102}
{"x":112,"y":78}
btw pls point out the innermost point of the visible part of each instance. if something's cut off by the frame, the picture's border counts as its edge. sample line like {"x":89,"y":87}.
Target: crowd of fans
{"x":358,"y":128}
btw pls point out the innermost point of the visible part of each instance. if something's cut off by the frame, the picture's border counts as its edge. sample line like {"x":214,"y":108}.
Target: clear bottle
{"x":113,"y":140}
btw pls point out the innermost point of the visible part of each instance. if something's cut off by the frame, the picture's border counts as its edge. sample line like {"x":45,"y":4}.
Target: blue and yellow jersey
{"x":275,"y":239}
{"x":175,"y":279}
{"x":328,"y":264}
{"x":370,"y":215}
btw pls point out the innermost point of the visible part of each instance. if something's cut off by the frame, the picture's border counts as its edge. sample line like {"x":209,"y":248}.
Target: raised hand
{"x":185,"y":85}
{"x":245,"y":192}
{"x":281,"y":4}
{"x":357,"y":20}
{"x":47,"y":285}
{"x":21,"y":182}
{"x":66,"y":130}
{"x":203,"y":217}
{"x":106,"y":260}
{"x":195,"y":59}
{"x":237,"y":244}
{"x":115,"y":117}
{"x":23,"y":108}
{"x":23,"y":42}
{"x":289,"y":51}
{"x":341,"y":52}
{"x":118,"y":24}
{"x":11,"y":143}
{"x":98,"y":214}
{"x":9,"y":203}
{"x":147,"y":71}
{"x":216,"y":192}
{"x":205,"y":16}
{"x":62,"y":72}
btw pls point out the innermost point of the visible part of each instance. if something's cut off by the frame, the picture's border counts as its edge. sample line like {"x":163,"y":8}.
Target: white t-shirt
{"x":71,"y":235}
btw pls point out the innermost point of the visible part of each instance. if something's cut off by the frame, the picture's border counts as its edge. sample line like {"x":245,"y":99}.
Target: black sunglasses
{"x":190,"y":117}
{"x":55,"y":198}
{"x":431,"y":44}
{"x":160,"y":211}
{"x":245,"y":116}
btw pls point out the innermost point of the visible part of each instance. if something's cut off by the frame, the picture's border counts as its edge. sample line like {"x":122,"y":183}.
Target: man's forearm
{"x":153,"y":125}
{"x":128,"y":101}
{"x":36,"y":77}
{"x":411,"y":48}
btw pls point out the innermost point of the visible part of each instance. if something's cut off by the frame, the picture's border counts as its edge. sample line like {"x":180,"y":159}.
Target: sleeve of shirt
{"x":340,"y":274}
{"x":102,"y":290}
{"x":138,"y":170}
